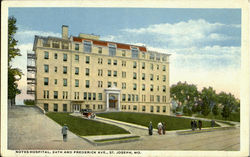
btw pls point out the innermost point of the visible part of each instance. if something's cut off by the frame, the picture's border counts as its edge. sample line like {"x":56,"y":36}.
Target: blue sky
{"x":204,"y":43}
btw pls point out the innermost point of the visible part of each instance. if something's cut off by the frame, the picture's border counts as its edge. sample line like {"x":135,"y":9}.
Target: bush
{"x":29,"y":102}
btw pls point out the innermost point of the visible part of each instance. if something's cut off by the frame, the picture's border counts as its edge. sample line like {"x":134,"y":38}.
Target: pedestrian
{"x":212,"y":123}
{"x":195,"y":124}
{"x":150,"y":128}
{"x":163,"y":128}
{"x":192,"y":125}
{"x":159,"y":128}
{"x":64,"y":132}
{"x":200,"y":124}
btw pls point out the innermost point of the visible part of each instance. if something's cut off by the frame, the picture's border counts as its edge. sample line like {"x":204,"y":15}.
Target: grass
{"x":225,"y":122}
{"x":84,"y":127}
{"x":173,"y":123}
{"x":118,"y":139}
{"x":233,"y":117}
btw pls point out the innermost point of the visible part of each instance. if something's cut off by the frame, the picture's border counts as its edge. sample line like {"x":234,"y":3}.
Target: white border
{"x":245,"y":57}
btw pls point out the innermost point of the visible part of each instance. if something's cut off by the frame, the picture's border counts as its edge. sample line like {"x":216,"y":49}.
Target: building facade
{"x":74,"y":73}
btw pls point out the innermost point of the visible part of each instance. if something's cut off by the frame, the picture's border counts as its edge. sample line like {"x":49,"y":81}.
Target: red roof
{"x":105,"y":43}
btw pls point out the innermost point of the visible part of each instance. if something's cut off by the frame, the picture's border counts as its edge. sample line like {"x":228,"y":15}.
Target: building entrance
{"x":76,"y":107}
{"x":112,"y":102}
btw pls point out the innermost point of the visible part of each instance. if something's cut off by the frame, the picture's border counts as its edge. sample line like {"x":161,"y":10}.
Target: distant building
{"x":73,"y":73}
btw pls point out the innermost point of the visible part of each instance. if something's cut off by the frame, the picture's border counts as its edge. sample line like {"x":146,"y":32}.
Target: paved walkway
{"x":28,"y":128}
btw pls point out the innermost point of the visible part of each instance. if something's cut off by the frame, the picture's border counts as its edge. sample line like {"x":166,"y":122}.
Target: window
{"x":76,"y":83}
{"x":158,"y":57}
{"x":77,"y":58}
{"x":65,"y":82}
{"x":115,"y":84}
{"x":65,"y":45}
{"x":46,"y":43}
{"x":143,"y":108}
{"x":55,"y":81}
{"x":87,"y":60}
{"x":99,"y":60}
{"x":87,"y":46}
{"x":164,"y":58}
{"x":77,"y":47}
{"x":151,"y":87}
{"x":134,"y":86}
{"x":134,"y":107}
{"x":99,"y":96}
{"x":134,"y":64}
{"x":158,"y":98}
{"x":133,"y":97}
{"x":46,"y":81}
{"x":123,"y":53}
{"x":46,"y":94}
{"x":134,"y":76}
{"x":115,"y":62}
{"x":99,"y":106}
{"x":46,"y":107}
{"x":46,"y":55}
{"x":55,"y":94}
{"x":143,"y":87}
{"x":65,"y":95}
{"x":64,"y":70}
{"x":129,"y":97}
{"x":112,"y":49}
{"x":55,"y":107}
{"x":123,"y":63}
{"x":152,"y":56}
{"x":158,"y":109}
{"x":109,"y":84}
{"x":164,"y":88}
{"x":55,"y":44}
{"x":158,"y":88}
{"x":136,"y":98}
{"x":89,"y":96}
{"x":134,"y":52}
{"x":164,"y":78}
{"x":151,"y":98}
{"x":151,"y":77}
{"x":109,"y":61}
{"x":87,"y":83}
{"x":55,"y":55}
{"x":164,"y":98}
{"x":123,"y":97}
{"x":76,"y":71}
{"x":157,"y":77}
{"x":64,"y":107}
{"x":109,"y":72}
{"x":85,"y":95}
{"x":123,"y":74}
{"x":87,"y":72}
{"x":46,"y":68}
{"x":55,"y":70}
{"x":94,"y":96}
{"x":99,"y":72}
{"x":143,"y":55}
{"x":93,"y":106}
{"x":87,"y":106}
{"x":100,"y":50}
{"x":65,"y":57}
{"x":115,"y":73}
{"x":143,"y":76}
{"x":77,"y":95}
{"x":123,"y":85}
{"x":100,"y":83}
{"x":157,"y":66}
{"x":151,"y":108}
{"x":164,"y":68}
{"x":164,"y":109}
{"x":151,"y":66}
{"x":143,"y":65}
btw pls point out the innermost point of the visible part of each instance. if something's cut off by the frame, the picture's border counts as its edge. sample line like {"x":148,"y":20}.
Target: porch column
{"x":107,"y":101}
{"x":118,"y":101}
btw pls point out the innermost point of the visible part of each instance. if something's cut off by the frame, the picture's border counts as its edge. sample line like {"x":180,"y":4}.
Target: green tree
{"x":230,"y":103}
{"x":208,"y":99}
{"x":14,"y":74}
{"x":225,"y":111}
{"x":215,"y":110}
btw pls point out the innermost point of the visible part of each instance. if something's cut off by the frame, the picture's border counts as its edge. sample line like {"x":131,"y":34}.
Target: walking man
{"x":192,"y":125}
{"x":64,"y":132}
{"x":200,"y":124}
{"x":163,"y":128}
{"x":150,"y":128}
{"x":195,"y":124}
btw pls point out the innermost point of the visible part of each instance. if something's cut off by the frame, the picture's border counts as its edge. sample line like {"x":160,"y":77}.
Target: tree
{"x":208,"y":99}
{"x":225,"y":111}
{"x":14,"y":74}
{"x":215,"y":110}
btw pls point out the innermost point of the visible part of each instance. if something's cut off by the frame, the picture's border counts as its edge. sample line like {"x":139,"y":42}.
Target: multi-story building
{"x":73,"y":73}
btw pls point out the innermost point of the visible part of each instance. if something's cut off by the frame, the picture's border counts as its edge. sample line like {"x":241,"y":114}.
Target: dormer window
{"x":112,"y":49}
{"x":134,"y":52}
{"x":87,"y":46}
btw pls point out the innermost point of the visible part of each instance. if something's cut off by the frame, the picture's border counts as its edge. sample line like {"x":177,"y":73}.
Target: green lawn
{"x":173,"y":123}
{"x":233,"y":117}
{"x":84,"y":127}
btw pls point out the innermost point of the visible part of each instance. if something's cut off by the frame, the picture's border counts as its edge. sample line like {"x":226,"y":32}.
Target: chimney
{"x":65,"y":30}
